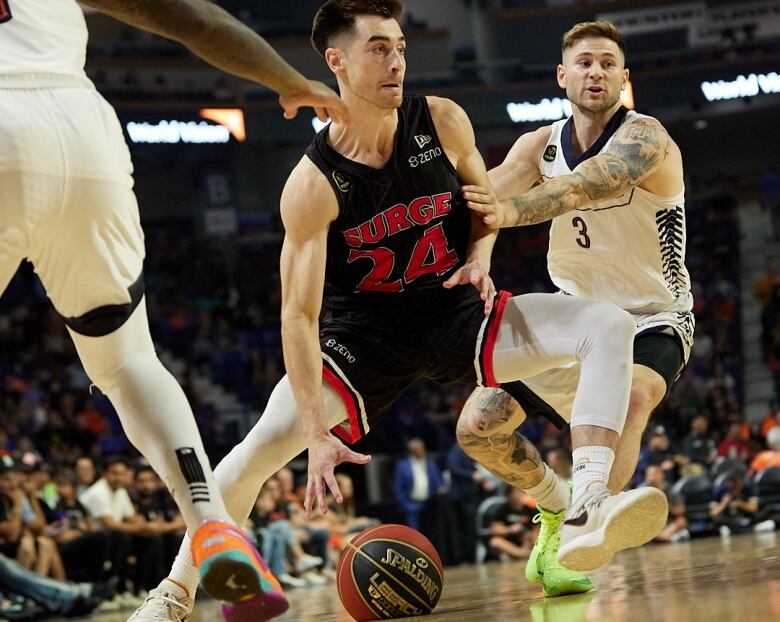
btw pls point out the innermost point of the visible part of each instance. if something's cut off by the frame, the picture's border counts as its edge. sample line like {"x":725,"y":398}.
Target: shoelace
{"x":594,"y":501}
{"x":553,"y":535}
{"x":168,"y":600}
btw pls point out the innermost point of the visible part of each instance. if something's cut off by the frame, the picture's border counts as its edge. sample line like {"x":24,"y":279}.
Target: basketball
{"x":387,"y":572}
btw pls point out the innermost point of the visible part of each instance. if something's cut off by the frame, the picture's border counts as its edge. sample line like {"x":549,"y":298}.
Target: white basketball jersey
{"x":42,"y":37}
{"x":629,"y":250}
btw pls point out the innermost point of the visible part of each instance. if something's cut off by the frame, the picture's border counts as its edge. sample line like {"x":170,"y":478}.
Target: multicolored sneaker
{"x":543,"y":567}
{"x":232,"y":570}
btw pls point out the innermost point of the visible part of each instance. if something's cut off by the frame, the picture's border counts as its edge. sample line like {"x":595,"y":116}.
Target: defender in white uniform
{"x":611,"y":181}
{"x":67,"y":205}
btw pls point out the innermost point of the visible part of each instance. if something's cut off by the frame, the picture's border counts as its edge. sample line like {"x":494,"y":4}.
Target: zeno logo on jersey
{"x":425,"y":156}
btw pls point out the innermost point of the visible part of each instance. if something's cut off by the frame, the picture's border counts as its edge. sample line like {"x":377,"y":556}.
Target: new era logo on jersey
{"x":422,"y":140}
{"x":342,"y":183}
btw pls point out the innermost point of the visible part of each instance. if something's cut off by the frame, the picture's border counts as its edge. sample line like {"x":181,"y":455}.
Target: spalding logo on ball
{"x":389,"y":571}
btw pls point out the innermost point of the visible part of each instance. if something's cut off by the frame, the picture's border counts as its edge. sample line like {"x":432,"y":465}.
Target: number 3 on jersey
{"x":5,"y":11}
{"x":430,"y":256}
{"x":583,"y":239}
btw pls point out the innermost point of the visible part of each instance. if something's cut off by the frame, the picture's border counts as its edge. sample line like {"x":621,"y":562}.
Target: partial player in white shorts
{"x":67,"y":203}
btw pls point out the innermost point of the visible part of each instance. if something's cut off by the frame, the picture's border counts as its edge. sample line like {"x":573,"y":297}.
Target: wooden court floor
{"x":707,"y":580}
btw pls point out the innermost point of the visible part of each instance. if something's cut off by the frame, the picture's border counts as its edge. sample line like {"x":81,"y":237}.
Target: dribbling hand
{"x":324,"y":456}
{"x":475,"y":274}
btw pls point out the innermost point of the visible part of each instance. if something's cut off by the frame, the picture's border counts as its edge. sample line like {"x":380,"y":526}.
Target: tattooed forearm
{"x":634,"y":153}
{"x":544,"y":202}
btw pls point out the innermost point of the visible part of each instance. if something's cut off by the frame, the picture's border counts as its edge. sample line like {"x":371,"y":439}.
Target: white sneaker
{"x":307,"y":562}
{"x":312,"y":578}
{"x":764,"y":526}
{"x":681,"y":536}
{"x":166,"y":603}
{"x":287,"y":580}
{"x":128,"y":600}
{"x":605,"y":524}
{"x":724,"y":531}
{"x":109,"y":606}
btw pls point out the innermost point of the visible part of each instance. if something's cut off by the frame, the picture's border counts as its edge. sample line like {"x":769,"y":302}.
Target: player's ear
{"x":625,"y":80}
{"x":335,"y":59}
{"x":560,"y":73}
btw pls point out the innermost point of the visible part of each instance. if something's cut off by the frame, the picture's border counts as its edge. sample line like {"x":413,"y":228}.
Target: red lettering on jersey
{"x":373,"y":230}
{"x":384,"y":262}
{"x":430,"y":255}
{"x":397,"y":219}
{"x":441,"y":203}
{"x":352,"y":237}
{"x":420,"y":210}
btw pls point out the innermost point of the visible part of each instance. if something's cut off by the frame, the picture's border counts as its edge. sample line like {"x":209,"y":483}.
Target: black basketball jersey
{"x":401,"y":230}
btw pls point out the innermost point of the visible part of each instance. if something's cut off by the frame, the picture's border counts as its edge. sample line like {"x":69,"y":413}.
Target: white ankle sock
{"x":551,"y":493}
{"x":592,"y":464}
{"x":185,"y":572}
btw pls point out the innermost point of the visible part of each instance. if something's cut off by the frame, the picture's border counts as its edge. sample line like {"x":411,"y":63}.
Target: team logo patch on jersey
{"x":422,"y":140}
{"x":550,"y":153}
{"x":342,"y":183}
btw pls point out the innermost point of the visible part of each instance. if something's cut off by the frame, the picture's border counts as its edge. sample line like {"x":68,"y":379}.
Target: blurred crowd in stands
{"x":77,"y":505}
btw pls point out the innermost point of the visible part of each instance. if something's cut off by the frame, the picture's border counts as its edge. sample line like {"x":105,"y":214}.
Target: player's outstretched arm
{"x":223,"y":41}
{"x":637,"y":152}
{"x":457,"y":138}
{"x":308,"y":206}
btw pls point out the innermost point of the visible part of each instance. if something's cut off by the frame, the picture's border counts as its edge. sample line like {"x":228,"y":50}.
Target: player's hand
{"x":324,"y":456}
{"x":486,"y":205}
{"x":474,"y":273}
{"x":326,"y":103}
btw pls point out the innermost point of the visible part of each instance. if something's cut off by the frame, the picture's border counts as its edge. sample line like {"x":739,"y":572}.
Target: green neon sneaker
{"x":543,"y":566}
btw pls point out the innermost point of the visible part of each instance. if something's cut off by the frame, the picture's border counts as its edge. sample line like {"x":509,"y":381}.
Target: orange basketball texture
{"x":389,"y":571}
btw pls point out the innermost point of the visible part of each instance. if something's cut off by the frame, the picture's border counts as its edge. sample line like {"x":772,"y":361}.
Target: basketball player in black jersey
{"x":375,"y":225}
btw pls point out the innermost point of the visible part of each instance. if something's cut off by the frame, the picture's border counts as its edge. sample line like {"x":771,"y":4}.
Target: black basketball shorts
{"x":371,"y":356}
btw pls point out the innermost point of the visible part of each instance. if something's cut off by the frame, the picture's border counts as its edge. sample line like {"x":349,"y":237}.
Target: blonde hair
{"x":602,"y":29}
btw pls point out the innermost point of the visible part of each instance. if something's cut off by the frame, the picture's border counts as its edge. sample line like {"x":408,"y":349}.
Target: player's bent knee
{"x":108,"y":318}
{"x":487,"y":411}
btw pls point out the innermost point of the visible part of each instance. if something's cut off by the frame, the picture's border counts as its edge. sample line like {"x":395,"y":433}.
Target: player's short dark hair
{"x":338,"y":16}
{"x":602,"y":29}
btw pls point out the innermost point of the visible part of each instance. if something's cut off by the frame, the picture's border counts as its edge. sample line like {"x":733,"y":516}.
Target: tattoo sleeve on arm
{"x":635,"y":153}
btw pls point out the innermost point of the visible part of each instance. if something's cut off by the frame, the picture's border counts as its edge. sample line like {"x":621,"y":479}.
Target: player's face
{"x":375,"y":61}
{"x":593,"y":74}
